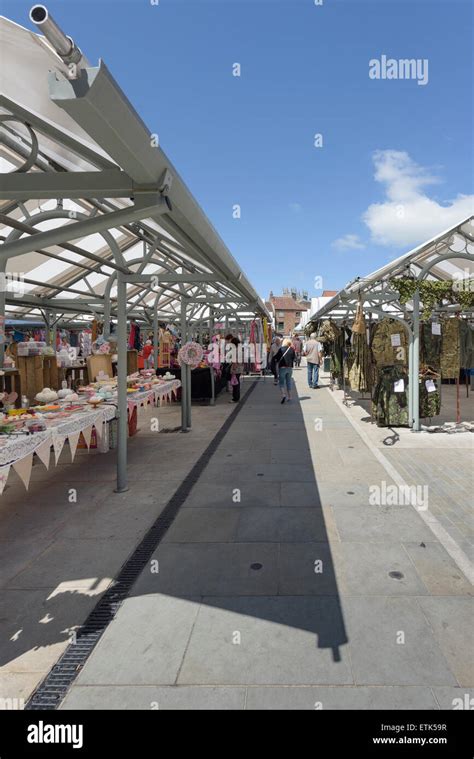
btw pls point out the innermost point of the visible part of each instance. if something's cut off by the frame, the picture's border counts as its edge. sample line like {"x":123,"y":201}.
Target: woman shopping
{"x":285,"y":360}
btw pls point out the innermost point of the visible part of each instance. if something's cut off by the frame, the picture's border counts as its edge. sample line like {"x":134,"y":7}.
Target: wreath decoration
{"x":190,"y":354}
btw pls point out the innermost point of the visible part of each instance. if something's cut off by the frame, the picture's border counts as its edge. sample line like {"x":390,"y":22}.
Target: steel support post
{"x":410,"y":382}
{"x":122,"y":478}
{"x":415,"y":365}
{"x":155,"y":337}
{"x":188,"y":404}
{"x":184,"y":374}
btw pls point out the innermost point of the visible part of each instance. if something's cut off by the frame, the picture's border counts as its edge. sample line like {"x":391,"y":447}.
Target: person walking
{"x":236,"y":369}
{"x":274,"y":348}
{"x":285,"y":359}
{"x":147,"y":357}
{"x":297,"y":347}
{"x":313,"y":352}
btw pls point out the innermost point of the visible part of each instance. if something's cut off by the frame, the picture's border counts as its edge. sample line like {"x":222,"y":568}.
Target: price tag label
{"x":435,"y":328}
{"x":399,"y":386}
{"x":430,"y":386}
{"x":395,"y":339}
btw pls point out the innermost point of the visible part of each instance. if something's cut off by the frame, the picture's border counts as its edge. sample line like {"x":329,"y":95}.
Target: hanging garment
{"x":387,"y":348}
{"x":430,"y":401}
{"x":430,"y":346}
{"x":328,"y":331}
{"x":450,"y":349}
{"x":360,"y":371}
{"x":390,"y":398}
{"x":466,"y":339}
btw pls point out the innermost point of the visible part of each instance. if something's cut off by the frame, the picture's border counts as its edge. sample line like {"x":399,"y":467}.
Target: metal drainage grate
{"x":54,"y":687}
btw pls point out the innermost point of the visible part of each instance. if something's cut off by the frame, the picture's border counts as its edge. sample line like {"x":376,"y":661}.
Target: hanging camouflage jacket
{"x":390,"y":408}
{"x":383,"y":352}
{"x":450,"y":349}
{"x":466,"y":338}
{"x":430,"y":346}
{"x":328,"y":331}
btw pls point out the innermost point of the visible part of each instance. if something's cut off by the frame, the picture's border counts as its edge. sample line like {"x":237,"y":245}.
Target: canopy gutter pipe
{"x":64,"y":46}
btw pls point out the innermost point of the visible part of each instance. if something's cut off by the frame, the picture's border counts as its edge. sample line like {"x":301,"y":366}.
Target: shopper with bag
{"x":285,"y":359}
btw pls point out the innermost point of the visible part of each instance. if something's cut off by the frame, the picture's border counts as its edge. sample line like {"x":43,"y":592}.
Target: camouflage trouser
{"x":430,"y":403}
{"x":430,"y":346}
{"x":390,"y":408}
{"x":450,"y":349}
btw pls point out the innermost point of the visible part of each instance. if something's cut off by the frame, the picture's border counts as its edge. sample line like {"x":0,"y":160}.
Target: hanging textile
{"x":359,"y":375}
{"x":466,"y":338}
{"x":450,"y":349}
{"x":390,"y":398}
{"x":429,"y":393}
{"x":389,"y":344}
{"x":430,"y":346}
{"x":94,"y":330}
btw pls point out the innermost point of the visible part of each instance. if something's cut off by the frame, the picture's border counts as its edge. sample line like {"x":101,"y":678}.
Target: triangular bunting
{"x":43,"y":452}
{"x":4,"y":472}
{"x":99,"y":427}
{"x":86,"y":433}
{"x":23,"y":469}
{"x":58,"y":445}
{"x":73,"y":438}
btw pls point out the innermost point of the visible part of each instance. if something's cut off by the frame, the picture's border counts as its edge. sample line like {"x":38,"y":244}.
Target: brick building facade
{"x":286,"y":311}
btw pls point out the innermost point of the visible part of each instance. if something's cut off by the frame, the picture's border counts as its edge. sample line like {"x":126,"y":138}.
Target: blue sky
{"x":396,"y":163}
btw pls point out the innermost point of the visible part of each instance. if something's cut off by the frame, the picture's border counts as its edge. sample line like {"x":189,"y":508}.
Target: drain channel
{"x":54,"y":687}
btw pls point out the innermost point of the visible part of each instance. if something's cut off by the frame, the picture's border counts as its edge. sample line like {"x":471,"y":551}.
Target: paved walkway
{"x":280,"y":586}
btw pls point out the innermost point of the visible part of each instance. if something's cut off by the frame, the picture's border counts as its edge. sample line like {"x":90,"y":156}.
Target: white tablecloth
{"x":161,"y":390}
{"x":16,"y":448}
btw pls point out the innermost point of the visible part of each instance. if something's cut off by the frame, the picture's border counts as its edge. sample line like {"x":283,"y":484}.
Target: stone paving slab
{"x":282,"y":641}
{"x":146,"y":643}
{"x":361,"y":698}
{"x":208,"y":569}
{"x":451,"y":620}
{"x":374,"y":627}
{"x":380,"y":523}
{"x":174,"y":697}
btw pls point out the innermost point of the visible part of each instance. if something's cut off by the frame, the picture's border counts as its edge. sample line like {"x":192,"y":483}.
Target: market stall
{"x":115,"y":250}
{"x":401,"y":333}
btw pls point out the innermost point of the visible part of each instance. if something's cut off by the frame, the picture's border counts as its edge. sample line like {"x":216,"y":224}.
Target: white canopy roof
{"x":82,"y":167}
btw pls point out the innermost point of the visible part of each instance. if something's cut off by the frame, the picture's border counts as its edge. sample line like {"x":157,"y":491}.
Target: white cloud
{"x":348,"y":242}
{"x":408,"y":215}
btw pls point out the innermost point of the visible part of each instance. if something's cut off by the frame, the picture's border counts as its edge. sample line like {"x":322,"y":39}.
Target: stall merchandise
{"x":430,"y":344}
{"x":429,"y":393}
{"x":389,"y":344}
{"x":360,"y":373}
{"x":54,"y":426}
{"x":450,"y":349}
{"x":390,"y":397}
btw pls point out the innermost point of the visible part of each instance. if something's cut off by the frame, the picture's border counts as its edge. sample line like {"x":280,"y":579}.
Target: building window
{"x":281,"y":314}
{"x":298,"y":315}
{"x":280,"y":326}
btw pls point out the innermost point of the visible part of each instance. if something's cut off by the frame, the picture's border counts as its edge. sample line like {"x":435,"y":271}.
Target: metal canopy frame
{"x":447,"y":257}
{"x":85,"y":188}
